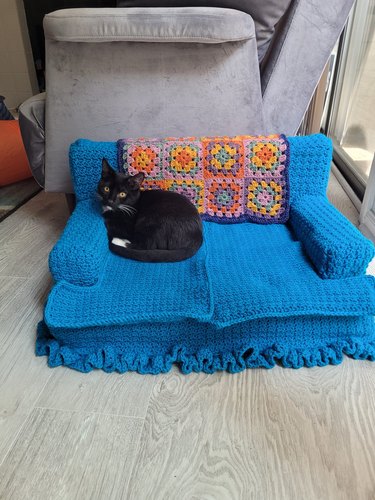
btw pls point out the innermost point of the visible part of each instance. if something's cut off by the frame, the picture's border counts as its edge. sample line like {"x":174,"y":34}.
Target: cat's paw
{"x":120,"y":242}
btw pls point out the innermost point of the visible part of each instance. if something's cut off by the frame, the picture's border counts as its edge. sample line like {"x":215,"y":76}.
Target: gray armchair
{"x":175,"y":71}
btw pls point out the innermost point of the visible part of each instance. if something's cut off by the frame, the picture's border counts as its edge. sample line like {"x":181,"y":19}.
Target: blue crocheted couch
{"x":254,"y":295}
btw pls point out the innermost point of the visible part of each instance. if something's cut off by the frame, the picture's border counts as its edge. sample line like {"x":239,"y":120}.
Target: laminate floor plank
{"x":27,"y":235}
{"x":26,"y":239}
{"x":98,"y":391}
{"x":71,"y":455}
{"x":22,"y":374}
{"x":260,"y":434}
{"x":9,"y":288}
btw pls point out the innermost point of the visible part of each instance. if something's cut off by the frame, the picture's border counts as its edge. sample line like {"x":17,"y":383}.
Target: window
{"x":350,"y":109}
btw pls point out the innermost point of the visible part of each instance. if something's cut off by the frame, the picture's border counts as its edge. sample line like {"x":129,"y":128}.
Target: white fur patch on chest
{"x":120,"y":242}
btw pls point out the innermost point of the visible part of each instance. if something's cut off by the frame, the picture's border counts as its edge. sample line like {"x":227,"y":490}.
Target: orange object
{"x":14,"y":165}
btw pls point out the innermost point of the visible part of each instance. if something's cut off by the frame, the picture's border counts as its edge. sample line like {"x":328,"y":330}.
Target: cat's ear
{"x":106,"y":168}
{"x":135,"y":181}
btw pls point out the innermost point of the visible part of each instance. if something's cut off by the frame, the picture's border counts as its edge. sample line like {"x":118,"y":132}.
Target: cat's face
{"x":117,"y":191}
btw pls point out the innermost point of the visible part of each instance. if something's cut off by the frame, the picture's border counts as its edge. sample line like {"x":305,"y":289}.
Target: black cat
{"x":151,"y":226}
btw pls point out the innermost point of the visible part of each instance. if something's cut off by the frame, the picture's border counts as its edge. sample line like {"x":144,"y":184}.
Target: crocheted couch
{"x":254,"y":295}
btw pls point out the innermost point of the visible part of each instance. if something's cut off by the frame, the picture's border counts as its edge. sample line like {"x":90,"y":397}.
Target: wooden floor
{"x":278,"y":434}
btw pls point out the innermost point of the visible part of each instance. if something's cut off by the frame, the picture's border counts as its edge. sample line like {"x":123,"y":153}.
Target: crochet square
{"x":182,"y":160}
{"x":222,"y":158}
{"x":143,"y":156}
{"x":265,"y":200}
{"x":224,"y":198}
{"x":264,"y":157}
{"x":192,"y":189}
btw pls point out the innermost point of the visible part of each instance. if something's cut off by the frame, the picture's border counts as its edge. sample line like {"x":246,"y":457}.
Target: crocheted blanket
{"x":228,"y":179}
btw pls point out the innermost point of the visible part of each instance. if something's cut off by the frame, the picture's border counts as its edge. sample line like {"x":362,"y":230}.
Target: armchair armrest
{"x":79,"y":255}
{"x":336,"y":247}
{"x":31,"y":120}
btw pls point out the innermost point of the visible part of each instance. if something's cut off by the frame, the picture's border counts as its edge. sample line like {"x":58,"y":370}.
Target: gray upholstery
{"x":103,"y":91}
{"x":293,"y":70}
{"x":266,"y":14}
{"x":148,"y":25}
{"x":110,"y":74}
{"x":31,"y":121}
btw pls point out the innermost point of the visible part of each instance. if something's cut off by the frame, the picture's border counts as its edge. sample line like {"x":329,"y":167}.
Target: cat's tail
{"x":155,"y":255}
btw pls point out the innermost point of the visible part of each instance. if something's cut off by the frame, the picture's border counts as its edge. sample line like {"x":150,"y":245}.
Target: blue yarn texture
{"x":253,"y":296}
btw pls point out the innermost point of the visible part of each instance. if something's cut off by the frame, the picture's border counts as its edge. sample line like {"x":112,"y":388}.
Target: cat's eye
{"x":106,"y":189}
{"x":122,"y":195}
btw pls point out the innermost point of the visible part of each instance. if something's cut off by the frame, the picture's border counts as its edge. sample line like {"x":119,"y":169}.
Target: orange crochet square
{"x":224,"y":198}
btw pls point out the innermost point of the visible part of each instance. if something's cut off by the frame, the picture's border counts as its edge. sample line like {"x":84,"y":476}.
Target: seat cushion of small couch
{"x":249,"y":297}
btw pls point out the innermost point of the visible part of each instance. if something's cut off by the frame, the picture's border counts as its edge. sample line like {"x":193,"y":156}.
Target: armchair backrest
{"x":147,"y":72}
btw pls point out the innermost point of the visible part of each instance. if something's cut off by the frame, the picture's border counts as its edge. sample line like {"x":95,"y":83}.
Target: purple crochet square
{"x":265,"y":199}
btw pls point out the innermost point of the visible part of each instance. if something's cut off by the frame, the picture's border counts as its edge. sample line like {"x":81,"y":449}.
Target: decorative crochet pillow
{"x":229,"y":179}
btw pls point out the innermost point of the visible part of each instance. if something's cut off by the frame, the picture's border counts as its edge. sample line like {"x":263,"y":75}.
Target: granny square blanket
{"x":254,"y":295}
{"x":228,"y":179}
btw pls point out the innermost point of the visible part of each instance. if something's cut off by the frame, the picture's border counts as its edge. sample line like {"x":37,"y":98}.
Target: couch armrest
{"x":79,"y":255}
{"x":336,"y":247}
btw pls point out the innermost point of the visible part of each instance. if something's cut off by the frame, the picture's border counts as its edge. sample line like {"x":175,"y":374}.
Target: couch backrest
{"x":147,"y":72}
{"x":310,"y":161}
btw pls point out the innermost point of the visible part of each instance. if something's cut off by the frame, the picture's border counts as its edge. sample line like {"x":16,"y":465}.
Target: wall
{"x":17,"y":74}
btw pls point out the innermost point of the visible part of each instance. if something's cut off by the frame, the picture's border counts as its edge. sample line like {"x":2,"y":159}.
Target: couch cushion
{"x":242,"y":272}
{"x":266,"y":14}
{"x":206,"y":25}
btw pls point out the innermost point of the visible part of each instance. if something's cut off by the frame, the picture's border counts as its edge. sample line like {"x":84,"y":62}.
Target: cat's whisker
{"x":125,"y":211}
{"x":129,"y":207}
{"x":124,"y":207}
